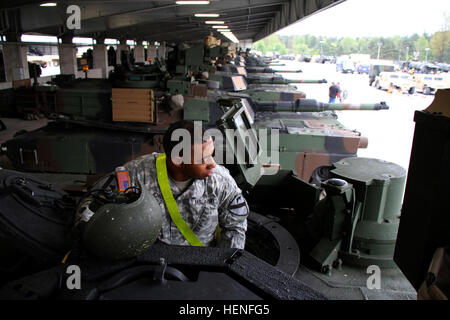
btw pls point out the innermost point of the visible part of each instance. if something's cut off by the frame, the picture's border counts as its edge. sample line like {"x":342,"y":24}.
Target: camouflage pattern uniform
{"x":204,"y":205}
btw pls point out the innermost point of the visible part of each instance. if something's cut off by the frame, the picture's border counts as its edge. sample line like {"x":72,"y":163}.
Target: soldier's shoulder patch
{"x":238,"y":206}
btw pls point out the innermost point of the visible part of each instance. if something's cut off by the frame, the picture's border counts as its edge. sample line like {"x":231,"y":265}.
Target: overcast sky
{"x":367,"y":18}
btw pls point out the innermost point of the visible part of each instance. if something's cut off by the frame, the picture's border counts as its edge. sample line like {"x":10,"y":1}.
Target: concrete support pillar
{"x":162,"y":51}
{"x":67,"y":59}
{"x":151,"y":52}
{"x":120,"y":47}
{"x":139,"y":53}
{"x":101,"y":59}
{"x":15,"y":60}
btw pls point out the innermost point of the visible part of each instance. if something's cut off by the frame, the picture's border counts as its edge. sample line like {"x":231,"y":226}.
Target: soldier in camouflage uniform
{"x":206,"y":195}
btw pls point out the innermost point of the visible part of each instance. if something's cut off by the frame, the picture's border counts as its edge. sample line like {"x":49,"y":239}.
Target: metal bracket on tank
{"x":21,"y":155}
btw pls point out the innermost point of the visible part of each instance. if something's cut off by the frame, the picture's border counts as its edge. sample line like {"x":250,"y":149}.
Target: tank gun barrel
{"x":286,"y":71}
{"x":311,"y":105}
{"x":261,"y":64}
{"x":264,"y":65}
{"x":281,"y":80}
{"x":269,"y":70}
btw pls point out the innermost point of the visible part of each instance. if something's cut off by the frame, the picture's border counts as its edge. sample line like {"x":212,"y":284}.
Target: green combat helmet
{"x":125,"y":228}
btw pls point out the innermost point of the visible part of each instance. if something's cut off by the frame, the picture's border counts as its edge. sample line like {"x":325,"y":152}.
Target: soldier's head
{"x":189,"y":151}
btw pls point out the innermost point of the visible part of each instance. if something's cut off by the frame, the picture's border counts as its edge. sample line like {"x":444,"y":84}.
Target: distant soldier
{"x":111,"y":56}
{"x":205,"y":194}
{"x":333,"y":92}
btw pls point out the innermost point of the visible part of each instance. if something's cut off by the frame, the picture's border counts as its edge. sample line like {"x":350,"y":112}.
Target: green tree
{"x":348,"y":45}
{"x":260,"y":46}
{"x":420,"y":45}
{"x":299,"y":45}
{"x":407,"y":48}
{"x":440,"y":44}
{"x":279,"y":47}
{"x":363,"y":45}
{"x":392,"y":48}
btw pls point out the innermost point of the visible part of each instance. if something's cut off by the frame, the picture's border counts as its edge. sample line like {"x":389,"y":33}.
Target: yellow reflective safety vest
{"x":171,"y":204}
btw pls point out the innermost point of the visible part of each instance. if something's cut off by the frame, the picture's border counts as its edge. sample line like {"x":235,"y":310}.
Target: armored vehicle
{"x":125,"y":112}
{"x":352,"y":228}
{"x":376,"y":68}
{"x":309,"y":135}
{"x":429,"y":83}
{"x":395,"y":80}
{"x":244,"y":70}
{"x":343,"y":223}
{"x":253,"y":61}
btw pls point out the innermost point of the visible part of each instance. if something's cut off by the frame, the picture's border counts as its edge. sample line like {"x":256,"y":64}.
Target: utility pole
{"x":379,"y":47}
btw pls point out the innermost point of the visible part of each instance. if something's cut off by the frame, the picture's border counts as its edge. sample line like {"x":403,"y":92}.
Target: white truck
{"x":395,"y":80}
{"x":429,"y":83}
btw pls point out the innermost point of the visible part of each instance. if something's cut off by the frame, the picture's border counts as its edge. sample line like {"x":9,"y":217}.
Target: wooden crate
{"x":133,"y":105}
{"x":21,"y":83}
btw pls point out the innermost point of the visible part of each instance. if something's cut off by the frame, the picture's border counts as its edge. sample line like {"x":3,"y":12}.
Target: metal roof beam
{"x":294,"y":11}
{"x":135,"y":19}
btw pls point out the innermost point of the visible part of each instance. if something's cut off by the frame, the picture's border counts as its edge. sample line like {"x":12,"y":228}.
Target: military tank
{"x":336,"y":235}
{"x":270,"y":79}
{"x":237,"y":69}
{"x":135,"y":107}
{"x":309,"y":135}
{"x":253,"y":61}
{"x":80,"y":112}
{"x":350,"y":229}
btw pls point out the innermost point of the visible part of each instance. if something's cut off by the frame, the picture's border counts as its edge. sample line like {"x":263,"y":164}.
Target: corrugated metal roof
{"x":162,"y":20}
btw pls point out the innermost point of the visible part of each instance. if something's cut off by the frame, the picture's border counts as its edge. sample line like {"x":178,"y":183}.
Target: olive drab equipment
{"x":357,"y":221}
{"x":35,"y":220}
{"x":124,"y":223}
